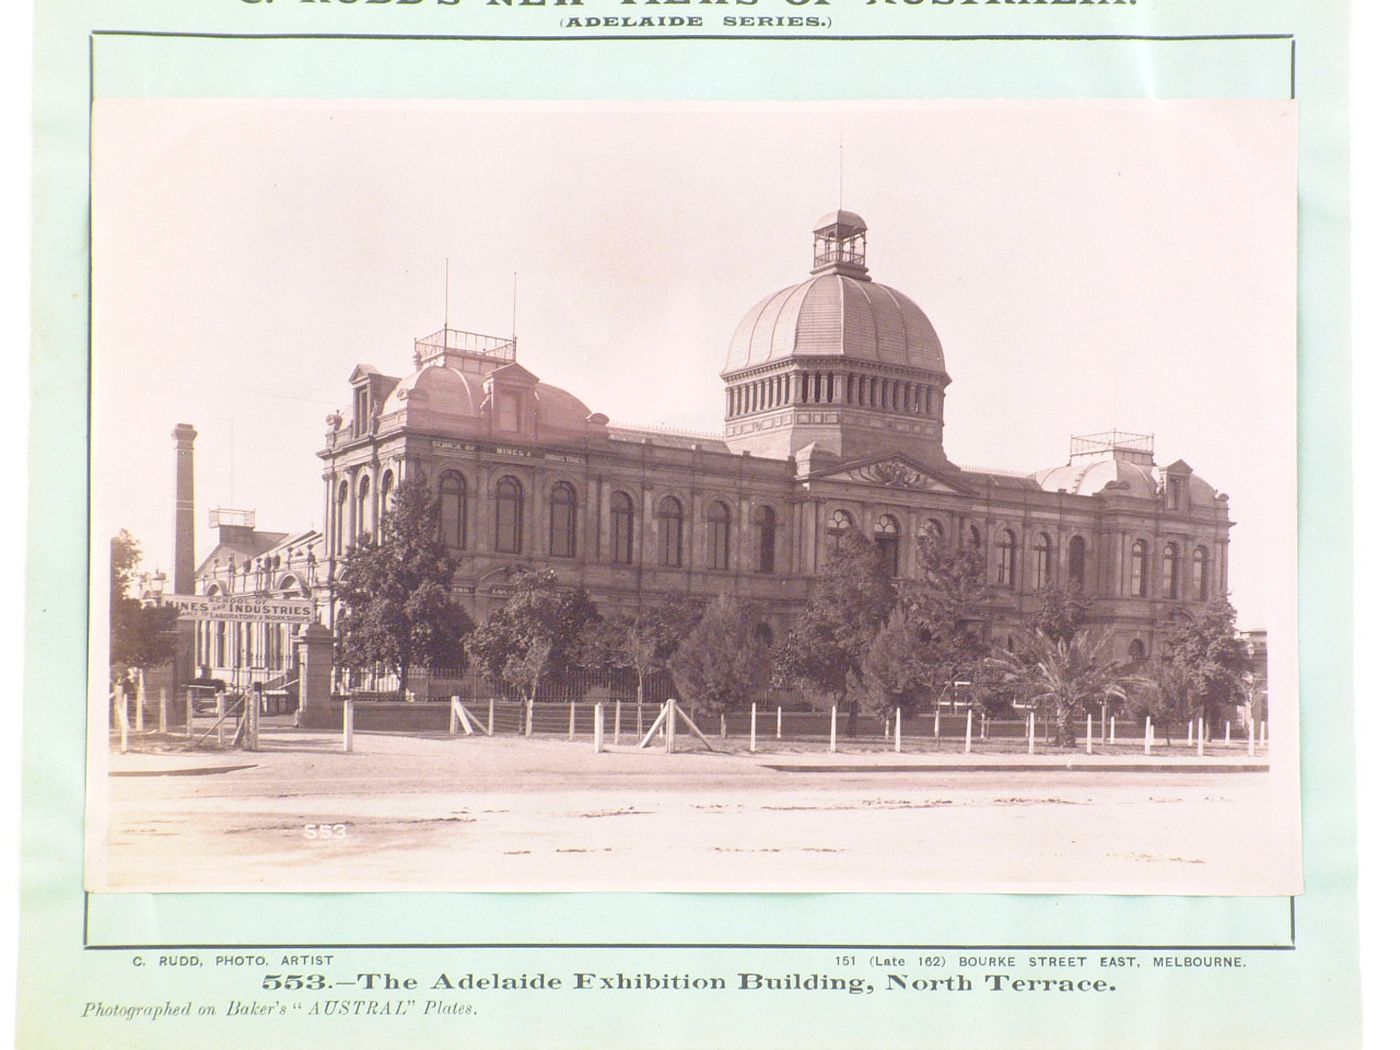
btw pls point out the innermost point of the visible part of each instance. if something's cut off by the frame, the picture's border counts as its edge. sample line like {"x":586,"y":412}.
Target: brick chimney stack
{"x":184,"y":436}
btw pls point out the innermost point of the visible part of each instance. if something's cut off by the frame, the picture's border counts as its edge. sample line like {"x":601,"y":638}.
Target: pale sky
{"x":1087,"y":265}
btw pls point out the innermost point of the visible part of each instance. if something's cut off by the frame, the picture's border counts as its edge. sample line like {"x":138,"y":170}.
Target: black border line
{"x":87,"y":944}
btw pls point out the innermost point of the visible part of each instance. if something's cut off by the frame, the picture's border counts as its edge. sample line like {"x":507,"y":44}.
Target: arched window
{"x":563,"y":520}
{"x":974,"y":537}
{"x":1137,"y":651}
{"x":931,"y":531}
{"x":452,"y":503}
{"x":1006,"y":558}
{"x":620,"y":516}
{"x":717,"y":536}
{"x":887,"y":540}
{"x":386,"y":494}
{"x":838,"y":527}
{"x":1076,"y":562}
{"x":510,"y":516}
{"x":342,"y":517}
{"x":1044,"y":574}
{"x":1200,"y":575}
{"x":766,"y":521}
{"x":1170,"y":571}
{"x":1137,"y":570}
{"x":672,"y":530}
{"x":362,"y":509}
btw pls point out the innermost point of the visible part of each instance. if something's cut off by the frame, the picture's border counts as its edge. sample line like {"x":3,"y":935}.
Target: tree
{"x":721,"y":663}
{"x":945,"y":602}
{"x":534,"y":633}
{"x":898,"y":668}
{"x":1213,"y":658}
{"x":1060,"y":615}
{"x":1068,"y":676}
{"x":849,"y":604}
{"x":642,"y":642}
{"x":396,"y":595}
{"x":142,"y":636}
{"x":1161,"y":690}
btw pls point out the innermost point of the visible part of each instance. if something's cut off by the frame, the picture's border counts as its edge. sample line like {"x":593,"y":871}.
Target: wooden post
{"x":119,"y":711}
{"x":598,"y":729}
{"x":189,"y":714}
{"x":887,"y":729}
{"x":1227,"y":729}
{"x":967,"y":736}
{"x":617,"y":722}
{"x":1190,"y":732}
{"x":1103,"y":723}
{"x":253,"y":708}
{"x":1113,"y":729}
{"x":491,"y":716}
{"x":164,"y":723}
{"x":723,"y":727}
{"x":529,"y":715}
{"x":937,"y":722}
{"x":984,"y":723}
{"x":780,"y":723}
{"x":1030,"y":734}
{"x":348,"y":727}
{"x":571,"y":720}
{"x":140,"y":701}
{"x":833,"y":729}
{"x":670,"y":727}
{"x":219,"y":710}
{"x":1147,"y":736}
{"x":1089,"y":734}
{"x":1201,"y":738}
{"x":639,"y":720}
{"x":1251,"y":738}
{"x":898,"y":731}
{"x":753,"y":727}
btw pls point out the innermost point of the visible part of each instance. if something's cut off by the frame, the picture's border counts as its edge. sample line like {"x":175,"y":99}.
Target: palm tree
{"x":1070,"y":676}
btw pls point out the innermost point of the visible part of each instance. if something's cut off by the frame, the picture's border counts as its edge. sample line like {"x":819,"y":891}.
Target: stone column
{"x":314,"y":646}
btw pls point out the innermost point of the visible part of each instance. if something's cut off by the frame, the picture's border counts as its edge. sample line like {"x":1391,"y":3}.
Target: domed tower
{"x":839,"y":360}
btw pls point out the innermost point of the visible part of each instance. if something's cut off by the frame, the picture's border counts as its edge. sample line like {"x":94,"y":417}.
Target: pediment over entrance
{"x":898,"y":472}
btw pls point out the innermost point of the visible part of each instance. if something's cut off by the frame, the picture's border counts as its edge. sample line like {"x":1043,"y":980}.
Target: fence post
{"x":1251,"y":738}
{"x":639,"y":720}
{"x":529,"y":715}
{"x":984,"y":724}
{"x":491,"y":716}
{"x":898,"y":731}
{"x":597,"y":728}
{"x":1113,"y":729}
{"x":937,"y":722}
{"x":571,"y":720}
{"x":220,"y":709}
{"x":1030,"y":735}
{"x":780,"y":723}
{"x":887,"y":729}
{"x":253,"y":709}
{"x":723,"y":727}
{"x":1089,"y":734}
{"x":140,"y":701}
{"x":1147,"y":736}
{"x":348,"y":726}
{"x":617,"y":721}
{"x":1190,"y":732}
{"x":753,"y":727}
{"x":1227,"y":729}
{"x":1201,"y":738}
{"x":119,"y":712}
{"x":671,"y":726}
{"x":164,"y":722}
{"x":967,"y":736}
{"x":833,"y":729}
{"x":189,"y":714}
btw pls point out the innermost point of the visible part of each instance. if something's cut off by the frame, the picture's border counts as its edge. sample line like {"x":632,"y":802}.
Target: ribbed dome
{"x":832,"y":314}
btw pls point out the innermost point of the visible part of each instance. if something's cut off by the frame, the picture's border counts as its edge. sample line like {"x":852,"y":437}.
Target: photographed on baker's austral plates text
{"x":617,"y":516}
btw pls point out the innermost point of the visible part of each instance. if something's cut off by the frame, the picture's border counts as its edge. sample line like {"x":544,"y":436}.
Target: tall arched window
{"x":1076,"y":562}
{"x":1170,"y":571}
{"x":838,"y":528}
{"x":932,"y":531}
{"x":1006,"y":558}
{"x":1137,"y":570}
{"x":717,"y":536}
{"x":1200,"y":575}
{"x":342,"y":517}
{"x":1044,"y":574}
{"x":887,"y":540}
{"x":452,"y":509}
{"x":362,"y":509}
{"x":620,"y":517}
{"x":766,"y":521}
{"x":510,"y":516}
{"x":386,"y":494}
{"x":671,"y":522}
{"x":563,"y":520}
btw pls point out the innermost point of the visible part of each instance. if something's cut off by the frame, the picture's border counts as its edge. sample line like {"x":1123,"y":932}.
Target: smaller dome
{"x":560,"y":410}
{"x":848,"y":220}
{"x":1090,"y":477}
{"x":439,"y":392}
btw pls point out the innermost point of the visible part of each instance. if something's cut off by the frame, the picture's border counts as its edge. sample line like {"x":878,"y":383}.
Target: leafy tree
{"x":1067,"y":676}
{"x":945,"y":602}
{"x":721,"y":663}
{"x":534,"y":634}
{"x":849,"y":604}
{"x":396,"y":595}
{"x":1161,"y":690}
{"x":1060,"y":615}
{"x":1212,"y":656}
{"x":641,"y":642}
{"x":898,"y":668}
{"x":142,"y":636}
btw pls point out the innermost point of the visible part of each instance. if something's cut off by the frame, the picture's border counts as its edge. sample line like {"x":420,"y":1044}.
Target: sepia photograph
{"x":747,"y":497}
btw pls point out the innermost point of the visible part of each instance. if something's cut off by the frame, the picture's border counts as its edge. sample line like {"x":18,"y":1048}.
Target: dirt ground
{"x":506,"y":813}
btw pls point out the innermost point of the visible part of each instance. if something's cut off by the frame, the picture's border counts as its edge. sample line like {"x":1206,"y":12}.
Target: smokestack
{"x":184,"y":436}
